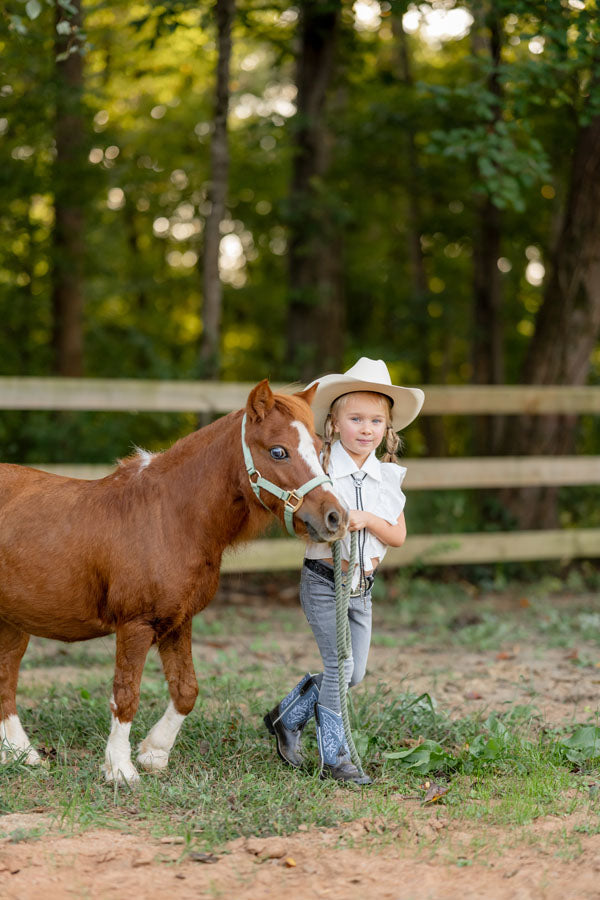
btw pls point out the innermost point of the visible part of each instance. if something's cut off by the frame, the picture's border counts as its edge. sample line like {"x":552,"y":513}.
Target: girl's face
{"x":361,"y":421}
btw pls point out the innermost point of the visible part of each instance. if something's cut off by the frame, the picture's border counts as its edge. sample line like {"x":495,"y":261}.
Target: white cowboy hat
{"x":366,"y":375}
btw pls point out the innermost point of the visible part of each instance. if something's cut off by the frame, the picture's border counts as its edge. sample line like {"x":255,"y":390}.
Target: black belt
{"x":322,"y":569}
{"x":325,"y":570}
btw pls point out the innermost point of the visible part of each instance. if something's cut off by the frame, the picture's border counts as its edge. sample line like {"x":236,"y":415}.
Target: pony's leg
{"x":176,"y":655}
{"x":133,"y":642}
{"x":13,"y":740}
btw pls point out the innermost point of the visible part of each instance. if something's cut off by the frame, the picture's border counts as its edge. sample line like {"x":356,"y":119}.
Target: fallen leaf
{"x":435,"y":792}
{"x":524,"y":602}
{"x":196,"y":856}
{"x":473,"y":695}
{"x":172,"y":839}
{"x":290,"y":863}
{"x":49,"y":752}
{"x":505,"y":654}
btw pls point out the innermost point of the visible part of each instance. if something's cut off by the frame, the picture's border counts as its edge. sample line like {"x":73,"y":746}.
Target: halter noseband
{"x":292,"y":500}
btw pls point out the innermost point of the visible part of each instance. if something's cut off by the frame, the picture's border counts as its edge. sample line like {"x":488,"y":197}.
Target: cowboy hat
{"x":366,"y":375}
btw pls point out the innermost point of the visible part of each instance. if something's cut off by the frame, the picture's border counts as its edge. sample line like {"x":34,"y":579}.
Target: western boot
{"x":333,"y":748}
{"x":288,"y":718}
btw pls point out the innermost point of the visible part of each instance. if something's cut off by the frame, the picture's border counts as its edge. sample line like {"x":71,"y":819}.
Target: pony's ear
{"x":260,"y":401}
{"x":308,"y":394}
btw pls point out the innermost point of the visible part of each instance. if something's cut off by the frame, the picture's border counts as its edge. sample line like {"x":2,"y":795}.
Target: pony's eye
{"x":278,"y":453}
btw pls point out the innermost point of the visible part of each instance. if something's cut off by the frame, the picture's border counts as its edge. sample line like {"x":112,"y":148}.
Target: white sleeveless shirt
{"x":380,"y":493}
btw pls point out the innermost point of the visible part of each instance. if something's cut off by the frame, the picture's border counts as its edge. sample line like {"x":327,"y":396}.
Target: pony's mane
{"x":140,"y":459}
{"x":296,"y":407}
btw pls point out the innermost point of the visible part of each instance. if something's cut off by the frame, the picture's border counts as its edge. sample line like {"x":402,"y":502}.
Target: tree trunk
{"x":316,"y":312}
{"x":68,"y":237}
{"x":487,"y":354}
{"x":432,"y":427}
{"x":567,"y":328}
{"x":219,"y":160}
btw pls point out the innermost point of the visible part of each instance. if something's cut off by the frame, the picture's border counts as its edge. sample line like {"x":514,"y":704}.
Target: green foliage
{"x":583,"y":746}
{"x":425,"y":758}
{"x":419,"y":135}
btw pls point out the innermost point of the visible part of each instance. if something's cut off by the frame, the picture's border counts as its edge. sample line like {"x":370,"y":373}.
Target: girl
{"x":363,"y":408}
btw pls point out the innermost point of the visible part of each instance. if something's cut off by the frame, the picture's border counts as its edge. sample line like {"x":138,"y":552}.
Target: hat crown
{"x":366,"y":375}
{"x":374,"y":370}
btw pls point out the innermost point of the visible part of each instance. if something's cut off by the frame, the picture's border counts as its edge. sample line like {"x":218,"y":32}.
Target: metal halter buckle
{"x":300,"y":501}
{"x":258,"y":475}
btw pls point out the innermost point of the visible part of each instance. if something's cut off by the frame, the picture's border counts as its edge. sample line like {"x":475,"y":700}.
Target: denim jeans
{"x":317,"y":596}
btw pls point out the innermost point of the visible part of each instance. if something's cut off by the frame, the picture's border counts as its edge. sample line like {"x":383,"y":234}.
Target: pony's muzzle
{"x":334,"y":520}
{"x":326,"y":525}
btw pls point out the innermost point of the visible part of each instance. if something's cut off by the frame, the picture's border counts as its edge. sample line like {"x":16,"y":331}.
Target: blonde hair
{"x":393,"y":442}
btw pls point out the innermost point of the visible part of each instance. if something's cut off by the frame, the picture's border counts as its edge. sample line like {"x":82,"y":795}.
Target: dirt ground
{"x":349,"y":862}
{"x":363,"y":858}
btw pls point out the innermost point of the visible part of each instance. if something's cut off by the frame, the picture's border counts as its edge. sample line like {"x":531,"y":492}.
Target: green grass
{"x":455,"y":614}
{"x":225,"y":779}
{"x":504,"y":768}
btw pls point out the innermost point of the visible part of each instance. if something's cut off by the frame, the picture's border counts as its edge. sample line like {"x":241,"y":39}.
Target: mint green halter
{"x":292,"y":500}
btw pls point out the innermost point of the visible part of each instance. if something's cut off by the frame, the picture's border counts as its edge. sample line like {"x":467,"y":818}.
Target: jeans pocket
{"x":316,"y":595}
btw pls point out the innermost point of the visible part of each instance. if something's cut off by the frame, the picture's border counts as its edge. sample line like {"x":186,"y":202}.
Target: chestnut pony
{"x":138,"y":554}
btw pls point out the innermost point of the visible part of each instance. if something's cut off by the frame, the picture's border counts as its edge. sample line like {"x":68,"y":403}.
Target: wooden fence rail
{"x":204,"y":396}
{"x":446,"y":474}
{"x":121,"y":395}
{"x":435,"y":549}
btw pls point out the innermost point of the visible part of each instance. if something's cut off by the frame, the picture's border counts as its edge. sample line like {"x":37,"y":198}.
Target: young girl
{"x":363,"y":408}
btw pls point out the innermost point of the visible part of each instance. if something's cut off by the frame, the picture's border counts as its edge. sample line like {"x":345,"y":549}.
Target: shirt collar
{"x":343,"y":463}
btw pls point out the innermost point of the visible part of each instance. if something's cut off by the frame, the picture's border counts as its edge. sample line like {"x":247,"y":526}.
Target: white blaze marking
{"x":153,"y":752}
{"x":307,"y":451}
{"x":118,"y":765}
{"x":14,"y":741}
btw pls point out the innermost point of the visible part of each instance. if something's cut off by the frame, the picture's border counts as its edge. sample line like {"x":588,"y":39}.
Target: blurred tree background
{"x":243,"y":188}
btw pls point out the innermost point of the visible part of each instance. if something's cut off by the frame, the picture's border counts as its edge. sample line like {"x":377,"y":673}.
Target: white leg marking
{"x":118,"y":765}
{"x":307,"y":451}
{"x":153,"y":752}
{"x":14,"y":742}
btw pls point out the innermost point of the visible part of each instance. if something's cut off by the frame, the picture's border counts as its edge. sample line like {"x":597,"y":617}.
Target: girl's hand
{"x":359,"y":519}
{"x":392,"y":535}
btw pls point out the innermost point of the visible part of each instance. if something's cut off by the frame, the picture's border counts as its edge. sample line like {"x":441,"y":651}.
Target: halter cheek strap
{"x":292,"y":500}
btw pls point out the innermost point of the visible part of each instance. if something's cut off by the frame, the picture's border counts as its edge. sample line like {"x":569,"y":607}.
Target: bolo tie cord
{"x":358,"y":480}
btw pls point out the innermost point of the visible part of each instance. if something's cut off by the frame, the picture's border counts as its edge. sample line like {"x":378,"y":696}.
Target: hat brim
{"x":407,"y":402}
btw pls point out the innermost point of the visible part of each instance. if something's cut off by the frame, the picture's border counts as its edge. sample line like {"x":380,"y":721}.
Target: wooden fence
{"x":423,"y":474}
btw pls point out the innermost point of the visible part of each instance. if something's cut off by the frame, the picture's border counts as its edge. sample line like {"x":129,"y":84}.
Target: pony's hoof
{"x":125,"y":773}
{"x":28,"y":755}
{"x":152,"y":759}
{"x":33,"y":758}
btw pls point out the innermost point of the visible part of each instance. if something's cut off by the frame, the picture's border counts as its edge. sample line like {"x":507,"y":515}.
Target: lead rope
{"x":343,"y":639}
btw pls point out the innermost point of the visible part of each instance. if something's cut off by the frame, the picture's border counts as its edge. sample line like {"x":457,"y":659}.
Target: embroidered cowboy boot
{"x":288,"y":718}
{"x":333,"y":748}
